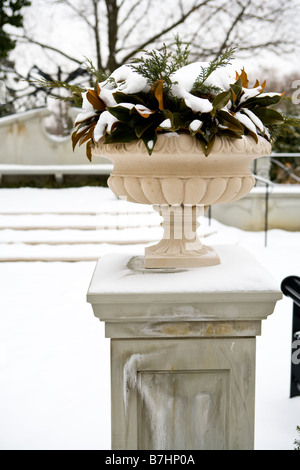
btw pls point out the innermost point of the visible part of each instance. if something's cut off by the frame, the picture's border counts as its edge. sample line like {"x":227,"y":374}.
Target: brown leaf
{"x":244,"y":79}
{"x":143,"y":113}
{"x":86,"y":121}
{"x":253,"y":135}
{"x":88,"y":135}
{"x":89,"y":151}
{"x":263,"y":85}
{"x":95,"y":100}
{"x":157,"y":87}
{"x":76,"y":136}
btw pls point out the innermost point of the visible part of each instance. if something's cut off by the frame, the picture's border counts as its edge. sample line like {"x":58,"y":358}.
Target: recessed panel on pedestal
{"x":183,"y":409}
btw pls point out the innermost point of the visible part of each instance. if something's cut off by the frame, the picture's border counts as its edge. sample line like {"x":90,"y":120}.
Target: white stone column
{"x":183,"y":349}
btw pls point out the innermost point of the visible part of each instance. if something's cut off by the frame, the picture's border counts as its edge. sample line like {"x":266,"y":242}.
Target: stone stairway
{"x":76,"y":224}
{"x":47,"y":225}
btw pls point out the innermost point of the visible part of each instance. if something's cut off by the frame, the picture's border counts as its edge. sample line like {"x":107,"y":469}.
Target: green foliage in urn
{"x":161,"y":92}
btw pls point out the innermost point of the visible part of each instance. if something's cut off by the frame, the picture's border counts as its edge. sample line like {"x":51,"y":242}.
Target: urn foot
{"x":180,"y":246}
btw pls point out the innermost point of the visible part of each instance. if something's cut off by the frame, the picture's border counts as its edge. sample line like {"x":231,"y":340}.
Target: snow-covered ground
{"x":54,"y":358}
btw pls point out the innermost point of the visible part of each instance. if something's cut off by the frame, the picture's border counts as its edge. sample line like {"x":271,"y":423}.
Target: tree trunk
{"x":112,"y":16}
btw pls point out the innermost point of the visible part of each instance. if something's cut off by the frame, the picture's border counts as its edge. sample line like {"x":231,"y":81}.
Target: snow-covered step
{"x":76,"y":237}
{"x":86,"y":200}
{"x":82,"y":222}
{"x":87,"y":252}
{"x":74,"y":246}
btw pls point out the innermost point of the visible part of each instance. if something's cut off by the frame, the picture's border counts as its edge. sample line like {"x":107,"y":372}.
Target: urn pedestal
{"x":180,"y":182}
{"x":183,"y":347}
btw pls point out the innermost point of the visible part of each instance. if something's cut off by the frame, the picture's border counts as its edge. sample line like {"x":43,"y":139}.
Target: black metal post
{"x":295,"y":366}
{"x":209,"y":215}
{"x":290,"y":286}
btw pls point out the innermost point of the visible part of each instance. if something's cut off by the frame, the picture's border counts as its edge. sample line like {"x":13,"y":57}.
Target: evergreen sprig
{"x":199,"y":85}
{"x":160,"y":65}
{"x":289,"y":127}
{"x":96,"y":74}
{"x":75,"y":90}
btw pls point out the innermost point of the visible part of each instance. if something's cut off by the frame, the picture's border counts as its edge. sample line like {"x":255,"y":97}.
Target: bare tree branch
{"x":165,"y":30}
{"x":112,"y":24}
{"x":27,"y":39}
{"x":236,"y":20}
{"x":131,"y":29}
{"x":80,"y":13}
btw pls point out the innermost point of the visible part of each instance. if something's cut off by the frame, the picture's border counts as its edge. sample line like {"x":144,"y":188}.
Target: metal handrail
{"x":290,"y":287}
{"x":267,"y":183}
{"x":283,"y":155}
{"x":288,"y":171}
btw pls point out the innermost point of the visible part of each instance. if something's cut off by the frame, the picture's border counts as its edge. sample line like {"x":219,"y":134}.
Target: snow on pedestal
{"x":183,"y":349}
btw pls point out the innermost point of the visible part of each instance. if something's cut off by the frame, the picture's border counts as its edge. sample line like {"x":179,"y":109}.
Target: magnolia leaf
{"x":210,"y":144}
{"x":253,"y":134}
{"x":244,"y":79}
{"x":76,"y":136}
{"x":122,"y":133}
{"x":89,"y":151}
{"x":268,"y":116}
{"x":142,"y":111}
{"x":88,"y":135}
{"x":168,"y":115}
{"x":95,"y":101}
{"x":149,"y":137}
{"x":261,"y":101}
{"x":157,"y":89}
{"x":221,"y":100}
{"x":206,"y":145}
{"x":236,"y":89}
{"x":230,"y":121}
{"x":179,"y":121}
{"x":230,"y":134}
{"x":140,"y":129}
{"x":150,"y":142}
{"x":263,"y":85}
{"x":120,"y":97}
{"x":120,"y":112}
{"x":86,"y":122}
{"x":97,"y":88}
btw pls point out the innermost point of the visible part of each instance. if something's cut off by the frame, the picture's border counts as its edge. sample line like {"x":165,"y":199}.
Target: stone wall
{"x":249,"y":213}
{"x":25,"y":141}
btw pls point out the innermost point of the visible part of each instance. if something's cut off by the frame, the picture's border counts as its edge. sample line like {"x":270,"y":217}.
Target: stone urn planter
{"x":179,"y":181}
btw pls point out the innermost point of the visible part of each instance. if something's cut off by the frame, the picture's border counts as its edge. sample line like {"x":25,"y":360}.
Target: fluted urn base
{"x":179,"y":180}
{"x":180,"y":246}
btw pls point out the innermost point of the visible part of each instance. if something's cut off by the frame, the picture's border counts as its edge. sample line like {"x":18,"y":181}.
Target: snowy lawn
{"x":54,"y":359}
